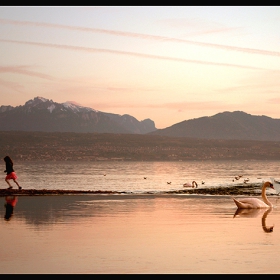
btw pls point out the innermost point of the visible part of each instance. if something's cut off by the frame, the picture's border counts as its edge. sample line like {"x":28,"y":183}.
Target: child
{"x":10,"y":172}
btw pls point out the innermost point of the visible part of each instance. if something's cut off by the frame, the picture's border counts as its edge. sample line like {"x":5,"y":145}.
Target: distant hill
{"x":41,"y":114}
{"x":227,"y":125}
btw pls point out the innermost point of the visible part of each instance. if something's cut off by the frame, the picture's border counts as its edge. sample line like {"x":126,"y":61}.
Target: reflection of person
{"x":11,"y":202}
{"x":10,"y":172}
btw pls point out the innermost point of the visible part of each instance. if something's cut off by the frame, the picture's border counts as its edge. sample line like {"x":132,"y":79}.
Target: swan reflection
{"x":264,"y":226}
{"x":252,"y":213}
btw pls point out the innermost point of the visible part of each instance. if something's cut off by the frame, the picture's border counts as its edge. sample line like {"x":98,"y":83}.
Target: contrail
{"x":141,"y":36}
{"x":77,"y":48}
{"x":24,"y":71}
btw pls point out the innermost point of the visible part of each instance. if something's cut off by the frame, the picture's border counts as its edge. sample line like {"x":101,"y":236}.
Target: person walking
{"x":10,"y":172}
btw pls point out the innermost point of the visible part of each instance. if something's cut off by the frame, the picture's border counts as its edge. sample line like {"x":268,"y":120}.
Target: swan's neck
{"x":265,"y":198}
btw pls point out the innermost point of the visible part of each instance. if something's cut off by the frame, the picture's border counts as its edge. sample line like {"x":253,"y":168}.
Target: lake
{"x":125,"y":234}
{"x":138,"y":232}
{"x":140,"y":177}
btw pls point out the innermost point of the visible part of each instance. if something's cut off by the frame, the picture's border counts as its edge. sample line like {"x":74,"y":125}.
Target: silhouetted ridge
{"x":41,"y":114}
{"x":226,"y":125}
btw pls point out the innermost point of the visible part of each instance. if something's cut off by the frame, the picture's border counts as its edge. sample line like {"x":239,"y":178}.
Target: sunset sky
{"x":166,"y":63}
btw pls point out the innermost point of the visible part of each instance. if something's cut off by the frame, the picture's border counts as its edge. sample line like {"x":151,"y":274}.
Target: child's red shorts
{"x":12,"y":175}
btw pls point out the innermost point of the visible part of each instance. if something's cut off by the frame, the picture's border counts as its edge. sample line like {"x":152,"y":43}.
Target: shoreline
{"x":248,"y":190}
{"x":69,"y":146}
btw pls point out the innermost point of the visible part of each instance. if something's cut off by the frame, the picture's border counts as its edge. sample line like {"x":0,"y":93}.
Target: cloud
{"x":141,"y":36}
{"x":177,"y":106}
{"x":77,"y":48}
{"x":11,"y":85}
{"x":197,"y":27}
{"x":274,"y":100}
{"x":21,"y":69}
{"x":193,"y":106}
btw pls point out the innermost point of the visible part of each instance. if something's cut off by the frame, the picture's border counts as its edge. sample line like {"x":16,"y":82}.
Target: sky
{"x":165,"y":63}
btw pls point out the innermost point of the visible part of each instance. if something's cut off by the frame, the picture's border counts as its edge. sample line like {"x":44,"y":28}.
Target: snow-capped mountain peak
{"x":41,"y":114}
{"x":74,"y":106}
{"x":37,"y":100}
{"x":41,"y":102}
{"x":42,"y":99}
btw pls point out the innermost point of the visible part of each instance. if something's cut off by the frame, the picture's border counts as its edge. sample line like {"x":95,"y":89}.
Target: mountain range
{"x":235,"y":125}
{"x":41,"y":114}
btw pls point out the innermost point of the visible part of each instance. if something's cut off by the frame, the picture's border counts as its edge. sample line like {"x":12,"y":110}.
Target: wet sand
{"x":248,"y":189}
{"x":125,"y":234}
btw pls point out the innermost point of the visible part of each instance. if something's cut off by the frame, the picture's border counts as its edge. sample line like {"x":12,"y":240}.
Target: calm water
{"x":129,"y":176}
{"x":138,"y":233}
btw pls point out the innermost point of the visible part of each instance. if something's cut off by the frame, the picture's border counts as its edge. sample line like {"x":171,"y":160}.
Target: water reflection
{"x":44,"y":211}
{"x":252,"y":213}
{"x":264,"y":226}
{"x":10,"y":203}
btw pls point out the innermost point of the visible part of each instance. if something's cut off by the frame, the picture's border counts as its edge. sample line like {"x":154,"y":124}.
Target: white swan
{"x":188,"y":185}
{"x":252,"y":202}
{"x":275,"y":181}
{"x":276,"y":185}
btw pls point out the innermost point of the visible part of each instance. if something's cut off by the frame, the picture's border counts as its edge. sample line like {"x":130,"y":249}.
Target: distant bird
{"x":169,"y":183}
{"x":238,"y":177}
{"x":246,"y":180}
{"x":202,"y":182}
{"x":188,"y":185}
{"x":253,"y":202}
{"x":145,"y":177}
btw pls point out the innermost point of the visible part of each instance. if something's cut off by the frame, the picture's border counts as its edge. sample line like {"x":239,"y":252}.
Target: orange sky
{"x":168,"y":64}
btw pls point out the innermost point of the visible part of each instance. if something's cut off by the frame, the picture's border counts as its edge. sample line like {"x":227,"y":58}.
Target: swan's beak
{"x":272,"y":186}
